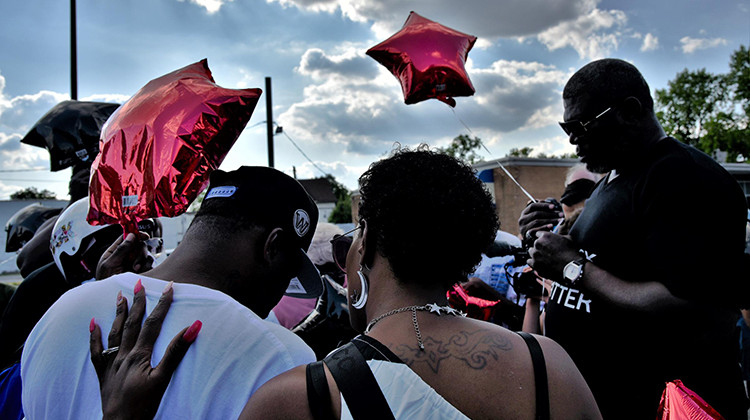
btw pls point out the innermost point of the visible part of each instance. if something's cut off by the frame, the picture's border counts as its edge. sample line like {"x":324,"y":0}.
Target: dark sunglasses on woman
{"x":340,"y":245}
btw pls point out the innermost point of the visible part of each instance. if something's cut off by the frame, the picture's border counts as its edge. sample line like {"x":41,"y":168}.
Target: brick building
{"x":542,"y":178}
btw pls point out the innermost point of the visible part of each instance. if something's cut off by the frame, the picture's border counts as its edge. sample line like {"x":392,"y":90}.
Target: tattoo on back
{"x":473,"y":348}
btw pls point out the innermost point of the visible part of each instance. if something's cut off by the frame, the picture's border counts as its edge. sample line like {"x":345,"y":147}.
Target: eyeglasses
{"x":578,"y":128}
{"x":340,"y":245}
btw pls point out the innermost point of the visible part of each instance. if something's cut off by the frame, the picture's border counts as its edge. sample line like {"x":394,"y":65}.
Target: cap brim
{"x":308,"y":284}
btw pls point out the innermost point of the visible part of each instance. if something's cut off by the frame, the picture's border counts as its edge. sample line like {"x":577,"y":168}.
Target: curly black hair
{"x":428,"y":214}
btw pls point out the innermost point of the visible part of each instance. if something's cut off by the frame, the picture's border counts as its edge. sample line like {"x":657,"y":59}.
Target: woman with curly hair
{"x":424,"y":220}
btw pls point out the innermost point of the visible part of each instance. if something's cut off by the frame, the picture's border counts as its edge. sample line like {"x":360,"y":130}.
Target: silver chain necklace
{"x":431,"y":307}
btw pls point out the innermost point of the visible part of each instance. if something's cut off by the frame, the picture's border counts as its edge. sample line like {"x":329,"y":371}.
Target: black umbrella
{"x":70,"y":131}
{"x":24,"y":223}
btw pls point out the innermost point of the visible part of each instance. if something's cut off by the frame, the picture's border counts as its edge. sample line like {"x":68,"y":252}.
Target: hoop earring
{"x":360,"y":301}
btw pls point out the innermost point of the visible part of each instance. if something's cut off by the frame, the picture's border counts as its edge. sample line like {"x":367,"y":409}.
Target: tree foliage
{"x":342,"y":212}
{"x":710,"y":111}
{"x":32,"y":193}
{"x":463,"y":147}
{"x":522,"y":152}
{"x":526,"y":152}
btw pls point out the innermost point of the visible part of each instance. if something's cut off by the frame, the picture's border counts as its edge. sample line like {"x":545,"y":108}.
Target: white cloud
{"x":107,"y":97}
{"x":691,"y":45}
{"x":513,"y":95}
{"x":18,"y":113}
{"x":364,"y":116}
{"x":352,"y":63}
{"x":554,"y":146}
{"x":587,"y":34}
{"x":211,"y":6}
{"x":593,"y":33}
{"x":343,"y":172}
{"x":485,"y":18}
{"x":18,"y":156}
{"x":544,"y":117}
{"x":247,"y":78}
{"x":650,"y":43}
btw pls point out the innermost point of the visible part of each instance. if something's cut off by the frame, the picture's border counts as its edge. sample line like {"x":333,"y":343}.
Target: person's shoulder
{"x":674,"y":157}
{"x":288,"y":342}
{"x":283,"y":397}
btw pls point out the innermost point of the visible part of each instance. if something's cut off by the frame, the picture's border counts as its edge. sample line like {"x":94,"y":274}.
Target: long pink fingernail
{"x":138,"y":287}
{"x":119,"y":297}
{"x":192,"y":332}
{"x":168,"y":287}
{"x":92,"y":325}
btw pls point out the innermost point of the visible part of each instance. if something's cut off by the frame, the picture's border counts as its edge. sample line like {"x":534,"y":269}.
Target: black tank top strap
{"x":318,"y":393}
{"x":373,"y":349}
{"x":540,"y":376}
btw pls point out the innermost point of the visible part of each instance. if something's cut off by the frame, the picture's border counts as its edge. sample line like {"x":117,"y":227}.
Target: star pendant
{"x":433,"y":307}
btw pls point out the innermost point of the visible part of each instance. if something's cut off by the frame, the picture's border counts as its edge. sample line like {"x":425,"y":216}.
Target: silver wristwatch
{"x":573,"y":271}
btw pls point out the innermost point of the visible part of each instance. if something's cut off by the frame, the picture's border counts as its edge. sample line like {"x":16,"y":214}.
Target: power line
{"x":305,"y":155}
{"x":278,"y":130}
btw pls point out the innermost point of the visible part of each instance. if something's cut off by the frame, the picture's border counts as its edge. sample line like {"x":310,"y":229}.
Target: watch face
{"x":572,"y":271}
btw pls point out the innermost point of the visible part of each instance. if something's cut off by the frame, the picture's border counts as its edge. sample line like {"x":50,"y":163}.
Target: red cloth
{"x":678,"y":402}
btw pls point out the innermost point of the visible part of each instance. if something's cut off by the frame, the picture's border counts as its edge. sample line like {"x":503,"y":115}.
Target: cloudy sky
{"x":340,"y":107}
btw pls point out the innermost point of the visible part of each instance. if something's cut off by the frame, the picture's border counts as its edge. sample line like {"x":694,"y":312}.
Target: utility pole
{"x":269,"y":122}
{"x":73,"y":53}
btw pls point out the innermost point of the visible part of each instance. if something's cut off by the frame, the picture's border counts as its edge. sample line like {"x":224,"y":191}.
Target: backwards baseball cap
{"x":270,"y":197}
{"x":577,"y":191}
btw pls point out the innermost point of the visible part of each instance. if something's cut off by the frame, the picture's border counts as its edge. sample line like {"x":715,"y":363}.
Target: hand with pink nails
{"x":130,"y":387}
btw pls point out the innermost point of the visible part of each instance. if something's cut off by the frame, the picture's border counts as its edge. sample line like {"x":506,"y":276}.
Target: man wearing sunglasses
{"x":645,"y":285}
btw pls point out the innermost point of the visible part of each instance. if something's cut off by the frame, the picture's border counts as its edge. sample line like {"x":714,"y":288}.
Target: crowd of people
{"x":630,"y":290}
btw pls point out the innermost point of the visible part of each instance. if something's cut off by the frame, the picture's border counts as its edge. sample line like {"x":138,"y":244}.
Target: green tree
{"x":522,"y":152}
{"x":196,"y":204}
{"x":739,"y":77}
{"x":689,"y":102}
{"x":342,"y":212}
{"x":710,"y":111}
{"x":464,"y":148}
{"x":32,"y":193}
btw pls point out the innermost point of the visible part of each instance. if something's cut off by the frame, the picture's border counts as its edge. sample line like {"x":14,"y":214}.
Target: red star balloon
{"x":158,"y":149}
{"x":428,"y":59}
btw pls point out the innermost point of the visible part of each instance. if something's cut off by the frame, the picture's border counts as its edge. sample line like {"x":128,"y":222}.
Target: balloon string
{"x":500,"y":165}
{"x":462,"y":121}
{"x":469,"y":129}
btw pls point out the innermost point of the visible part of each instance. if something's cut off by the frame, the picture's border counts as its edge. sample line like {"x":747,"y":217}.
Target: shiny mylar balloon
{"x":679,"y":402}
{"x":473,"y":306}
{"x":428,"y":59}
{"x":159,"y":147}
{"x":70,"y":132}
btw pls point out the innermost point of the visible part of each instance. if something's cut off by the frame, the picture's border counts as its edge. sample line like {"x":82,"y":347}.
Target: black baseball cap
{"x":269,"y":197}
{"x":577,"y":191}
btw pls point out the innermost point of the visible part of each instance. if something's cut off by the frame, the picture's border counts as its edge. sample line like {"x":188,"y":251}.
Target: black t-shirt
{"x":677,"y":218}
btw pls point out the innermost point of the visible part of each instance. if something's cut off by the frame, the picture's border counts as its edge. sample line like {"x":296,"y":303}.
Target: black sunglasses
{"x":340,"y":245}
{"x":578,"y":128}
